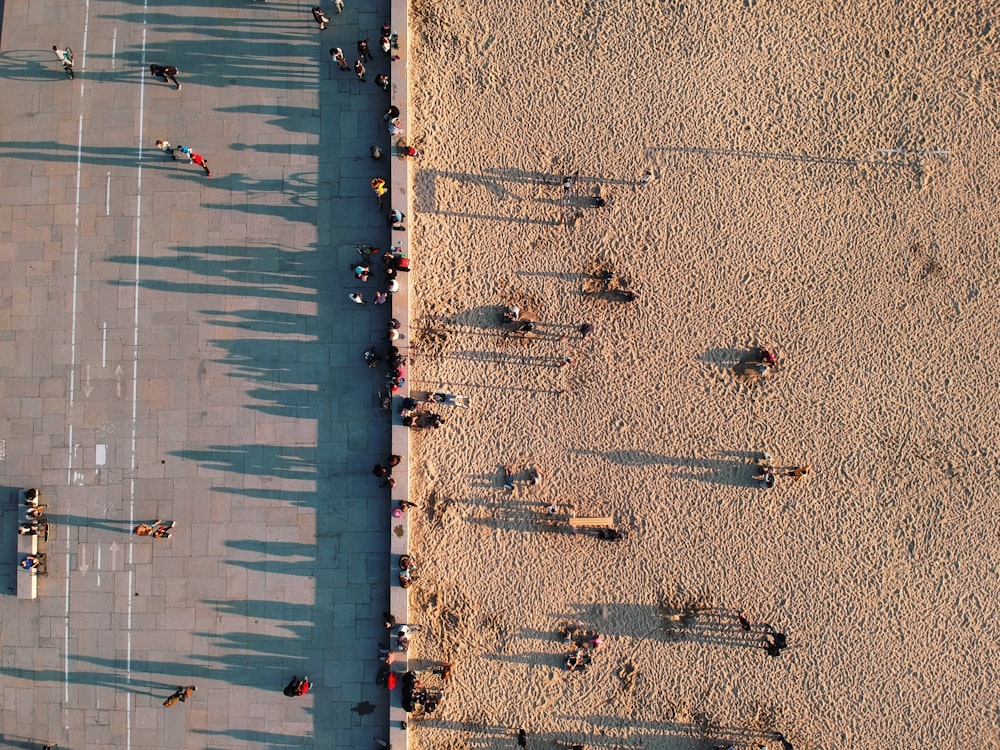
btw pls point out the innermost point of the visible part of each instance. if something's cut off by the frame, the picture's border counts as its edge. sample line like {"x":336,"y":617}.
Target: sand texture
{"x":796,"y":206}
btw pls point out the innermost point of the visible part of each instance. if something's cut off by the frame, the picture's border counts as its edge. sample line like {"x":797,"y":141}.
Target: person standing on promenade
{"x":382,"y":81}
{"x":647,"y":177}
{"x":364,"y":52}
{"x":338,"y":57}
{"x":65,"y":56}
{"x":163,"y":72}
{"x":522,"y":737}
{"x":359,"y":70}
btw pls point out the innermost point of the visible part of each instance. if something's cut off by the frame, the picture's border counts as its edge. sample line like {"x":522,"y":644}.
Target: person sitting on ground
{"x":31,"y":497}
{"x":535,"y":477}
{"x":28,"y":529}
{"x":380,"y":471}
{"x":436,"y":420}
{"x":36,"y":512}
{"x":610,"y":535}
{"x":391,"y":113}
{"x":508,"y":478}
{"x":361,"y":272}
{"x":512,"y":313}
{"x":629,"y":296}
{"x":525,"y":326}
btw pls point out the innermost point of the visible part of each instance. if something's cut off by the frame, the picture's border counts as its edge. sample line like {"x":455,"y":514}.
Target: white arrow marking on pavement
{"x":84,"y":567}
{"x":114,"y":555}
{"x":87,"y":387}
{"x":119,"y":377}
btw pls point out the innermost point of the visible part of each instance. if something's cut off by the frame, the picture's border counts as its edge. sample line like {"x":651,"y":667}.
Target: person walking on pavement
{"x":181,"y":694}
{"x":338,"y":57}
{"x":183,"y":151}
{"x":382,"y":81}
{"x":163,"y":72}
{"x":363,"y":52}
{"x":359,"y":69}
{"x":200,"y":161}
{"x":318,"y":16}
{"x":65,"y":56}
{"x":166,"y":148}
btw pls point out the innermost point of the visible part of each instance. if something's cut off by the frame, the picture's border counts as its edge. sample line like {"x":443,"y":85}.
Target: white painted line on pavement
{"x":107,"y":197}
{"x":104,"y":344}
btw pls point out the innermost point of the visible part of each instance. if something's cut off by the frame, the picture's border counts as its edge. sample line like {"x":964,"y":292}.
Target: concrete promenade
{"x":182,"y":348}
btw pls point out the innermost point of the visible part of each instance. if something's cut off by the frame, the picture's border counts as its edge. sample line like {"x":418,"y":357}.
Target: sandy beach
{"x":824,"y":185}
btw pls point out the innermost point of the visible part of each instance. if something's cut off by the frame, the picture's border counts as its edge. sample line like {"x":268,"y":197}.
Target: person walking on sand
{"x":163,"y":72}
{"x":798,"y":472}
{"x":359,"y":70}
{"x":338,"y":57}
{"x":319,"y":18}
{"x":200,"y":161}
{"x":743,"y":621}
{"x":647,"y":177}
{"x":65,"y":56}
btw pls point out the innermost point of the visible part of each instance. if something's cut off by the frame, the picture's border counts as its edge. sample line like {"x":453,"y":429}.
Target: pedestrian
{"x":200,"y":161}
{"x":647,"y":177}
{"x":31,"y":497}
{"x":565,"y":362}
{"x":389,"y":482}
{"x":392,"y":112}
{"x":363,"y":51}
{"x":181,"y":694}
{"x":356,"y":298}
{"x":291,"y":686}
{"x":339,"y":5}
{"x":380,"y":297}
{"x":318,"y":16}
{"x":395,"y":128}
{"x":568,"y":180}
{"x":167,"y":148}
{"x":361,"y":272}
{"x":394,"y":460}
{"x":145,"y":529}
{"x":65,"y":56}
{"x":522,"y":737}
{"x":798,"y":472}
{"x":743,"y":621}
{"x":359,"y":70}
{"x":389,"y":620}
{"x":163,"y":72}
{"x":385,"y":44}
{"x":534,"y":476}
{"x":338,"y":57}
{"x":376,"y":152}
{"x":393,"y":286}
{"x":585,"y":330}
{"x":378,"y":185}
{"x":164,"y":532}
{"x":303,"y":687}
{"x":395,"y":220}
{"x":382,"y":81}
{"x":184,"y":151}
{"x":405,"y":504}
{"x":380,"y":471}
{"x":508,"y":478}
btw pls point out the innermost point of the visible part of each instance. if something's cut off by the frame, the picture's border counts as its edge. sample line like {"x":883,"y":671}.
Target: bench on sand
{"x":594,"y":522}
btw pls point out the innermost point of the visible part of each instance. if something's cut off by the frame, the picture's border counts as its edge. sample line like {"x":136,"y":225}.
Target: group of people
{"x":767,"y":474}
{"x":192,"y":157}
{"x":35,"y":525}
{"x":393,"y":263}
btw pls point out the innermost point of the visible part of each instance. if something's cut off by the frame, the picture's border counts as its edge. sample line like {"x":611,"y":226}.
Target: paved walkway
{"x":179,"y":347}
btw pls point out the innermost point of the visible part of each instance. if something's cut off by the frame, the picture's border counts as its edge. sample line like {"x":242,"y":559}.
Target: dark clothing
{"x":164,"y":72}
{"x":363,"y":51}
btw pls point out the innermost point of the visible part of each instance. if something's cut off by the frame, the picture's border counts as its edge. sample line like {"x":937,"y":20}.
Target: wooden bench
{"x":604,"y":522}
{"x":27,"y":580}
